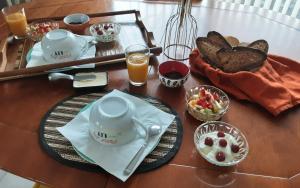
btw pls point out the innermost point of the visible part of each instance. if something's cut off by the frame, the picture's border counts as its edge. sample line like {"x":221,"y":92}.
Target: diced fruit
{"x":208,"y":141}
{"x":97,"y":28}
{"x":220,"y":156}
{"x":216,"y":96}
{"x":223,"y":143}
{"x":207,"y":97}
{"x":202,"y":92}
{"x":235,"y":148}
{"x":221,"y":134}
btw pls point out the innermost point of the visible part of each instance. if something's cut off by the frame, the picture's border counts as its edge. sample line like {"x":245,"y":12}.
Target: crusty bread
{"x":217,"y":38}
{"x":260,"y":45}
{"x":232,"y":41}
{"x":240,"y":59}
{"x":208,"y":49}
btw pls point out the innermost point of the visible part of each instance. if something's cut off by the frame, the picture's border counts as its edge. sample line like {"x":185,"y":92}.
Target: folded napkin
{"x":114,"y":159}
{"x":35,"y":56}
{"x":275,"y":86}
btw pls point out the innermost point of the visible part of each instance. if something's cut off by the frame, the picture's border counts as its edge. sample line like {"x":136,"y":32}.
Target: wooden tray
{"x":132,"y":32}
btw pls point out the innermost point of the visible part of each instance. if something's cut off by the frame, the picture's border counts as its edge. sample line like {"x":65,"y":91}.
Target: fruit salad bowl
{"x":206,"y":103}
{"x":37,"y":30}
{"x":221,"y":143}
{"x":105,"y":32}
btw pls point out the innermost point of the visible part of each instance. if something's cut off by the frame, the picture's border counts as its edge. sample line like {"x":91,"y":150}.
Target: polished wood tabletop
{"x":274,"y":142}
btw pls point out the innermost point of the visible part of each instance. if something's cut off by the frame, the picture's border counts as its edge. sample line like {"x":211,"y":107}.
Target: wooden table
{"x":273,"y":160}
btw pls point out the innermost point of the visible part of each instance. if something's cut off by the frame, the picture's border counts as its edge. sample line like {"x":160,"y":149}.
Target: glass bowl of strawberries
{"x":220,"y":143}
{"x":206,"y":103}
{"x":36,"y":30}
{"x":105,"y":32}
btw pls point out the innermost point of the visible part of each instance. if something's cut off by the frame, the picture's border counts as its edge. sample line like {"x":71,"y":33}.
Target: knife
{"x":57,"y":76}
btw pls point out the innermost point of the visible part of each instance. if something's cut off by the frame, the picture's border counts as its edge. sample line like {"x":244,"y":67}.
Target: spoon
{"x":151,"y":131}
{"x":57,"y":76}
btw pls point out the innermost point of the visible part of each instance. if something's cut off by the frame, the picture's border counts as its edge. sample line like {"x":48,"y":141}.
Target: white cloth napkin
{"x":35,"y":56}
{"x":114,"y":159}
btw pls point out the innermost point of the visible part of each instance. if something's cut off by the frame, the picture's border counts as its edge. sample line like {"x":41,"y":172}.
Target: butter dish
{"x":100,"y":80}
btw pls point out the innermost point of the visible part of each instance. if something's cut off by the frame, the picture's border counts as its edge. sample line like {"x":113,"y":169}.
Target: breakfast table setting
{"x":121,"y":93}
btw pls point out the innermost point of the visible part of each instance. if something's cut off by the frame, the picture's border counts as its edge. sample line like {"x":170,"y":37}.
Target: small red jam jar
{"x":173,"y":73}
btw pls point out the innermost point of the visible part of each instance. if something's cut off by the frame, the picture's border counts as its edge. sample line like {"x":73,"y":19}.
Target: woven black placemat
{"x":57,"y":146}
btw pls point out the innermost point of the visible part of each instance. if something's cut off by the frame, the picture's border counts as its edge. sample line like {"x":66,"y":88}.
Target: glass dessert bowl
{"x":221,"y":143}
{"x":206,"y":103}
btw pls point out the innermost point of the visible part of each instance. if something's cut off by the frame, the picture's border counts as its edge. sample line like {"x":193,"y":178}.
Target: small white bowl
{"x":105,"y":32}
{"x":61,"y":45}
{"x":112,"y":121}
{"x":77,"y":22}
{"x":212,"y":126}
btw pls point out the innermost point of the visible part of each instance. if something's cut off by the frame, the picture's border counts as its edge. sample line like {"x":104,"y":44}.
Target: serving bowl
{"x":173,"y":73}
{"x":231,"y":134}
{"x":105,"y":32}
{"x":206,"y":106}
{"x":37,"y":30}
{"x":77,"y":22}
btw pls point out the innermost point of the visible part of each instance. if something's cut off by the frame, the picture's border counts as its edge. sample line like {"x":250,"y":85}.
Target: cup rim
{"x":177,"y":62}
{"x":70,"y":16}
{"x":141,"y":45}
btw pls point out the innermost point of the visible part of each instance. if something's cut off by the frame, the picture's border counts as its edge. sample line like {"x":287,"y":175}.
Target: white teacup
{"x":112,"y":121}
{"x":60,"y":45}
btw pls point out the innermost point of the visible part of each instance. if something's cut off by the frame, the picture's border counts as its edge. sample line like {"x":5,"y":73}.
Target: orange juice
{"x":17,"y":23}
{"x":137,"y":64}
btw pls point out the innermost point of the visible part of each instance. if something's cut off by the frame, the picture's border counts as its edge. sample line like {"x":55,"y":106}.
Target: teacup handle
{"x":140,"y":124}
{"x":87,"y":45}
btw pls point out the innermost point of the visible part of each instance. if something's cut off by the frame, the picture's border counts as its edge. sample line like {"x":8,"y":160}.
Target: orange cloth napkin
{"x":275,"y":86}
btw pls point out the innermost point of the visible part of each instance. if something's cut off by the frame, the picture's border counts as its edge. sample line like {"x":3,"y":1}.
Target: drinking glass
{"x":16,"y":19}
{"x":137,"y":59}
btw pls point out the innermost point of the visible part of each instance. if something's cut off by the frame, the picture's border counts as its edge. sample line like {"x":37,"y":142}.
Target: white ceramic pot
{"x":61,"y":45}
{"x":112,"y":121}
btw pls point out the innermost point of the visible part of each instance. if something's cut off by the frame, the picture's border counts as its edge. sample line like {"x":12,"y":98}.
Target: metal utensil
{"x":151,"y":131}
{"x":57,"y":76}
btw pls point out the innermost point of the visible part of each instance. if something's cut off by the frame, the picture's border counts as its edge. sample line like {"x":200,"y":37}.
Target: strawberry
{"x":208,"y":141}
{"x":216,"y":96}
{"x":208,"y":97}
{"x":235,"y":148}
{"x":221,"y":134}
{"x":106,"y":27}
{"x":202,"y":92}
{"x":220,"y":156}
{"x":223,"y":143}
{"x":201,"y":102}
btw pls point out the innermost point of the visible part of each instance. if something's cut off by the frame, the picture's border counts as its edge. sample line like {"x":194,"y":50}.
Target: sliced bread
{"x":260,"y":45}
{"x":217,"y":38}
{"x":208,"y":49}
{"x":240,"y":59}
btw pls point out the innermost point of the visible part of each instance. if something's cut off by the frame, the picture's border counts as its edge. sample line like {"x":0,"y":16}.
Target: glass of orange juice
{"x":16,"y":19}
{"x":137,"y":59}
